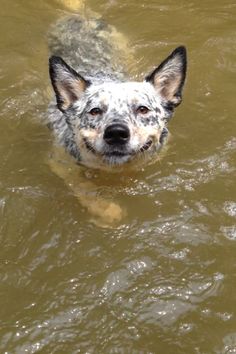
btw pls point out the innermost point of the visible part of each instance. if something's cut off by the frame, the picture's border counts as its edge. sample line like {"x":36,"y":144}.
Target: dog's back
{"x":89,"y":46}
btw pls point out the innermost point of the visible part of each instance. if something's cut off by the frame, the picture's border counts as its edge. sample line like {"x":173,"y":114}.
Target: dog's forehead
{"x":130,"y":92}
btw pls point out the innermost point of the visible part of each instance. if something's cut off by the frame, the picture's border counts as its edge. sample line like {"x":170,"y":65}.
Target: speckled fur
{"x":88,"y":46}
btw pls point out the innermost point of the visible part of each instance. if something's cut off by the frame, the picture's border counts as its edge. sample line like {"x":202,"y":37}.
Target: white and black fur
{"x":103,"y":120}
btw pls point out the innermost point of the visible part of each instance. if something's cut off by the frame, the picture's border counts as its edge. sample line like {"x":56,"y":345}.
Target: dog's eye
{"x":95,"y":111}
{"x":142,"y":110}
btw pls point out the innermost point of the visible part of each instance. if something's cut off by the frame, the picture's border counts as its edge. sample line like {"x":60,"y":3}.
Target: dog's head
{"x":112,"y":122}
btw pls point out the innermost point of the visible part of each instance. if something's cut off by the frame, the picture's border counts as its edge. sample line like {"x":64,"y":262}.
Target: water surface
{"x":164,"y":280}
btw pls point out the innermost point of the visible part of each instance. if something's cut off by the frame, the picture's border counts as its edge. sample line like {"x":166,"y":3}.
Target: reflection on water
{"x":164,"y":280}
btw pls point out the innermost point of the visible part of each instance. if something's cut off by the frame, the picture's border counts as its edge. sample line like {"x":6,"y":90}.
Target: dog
{"x":100,"y":118}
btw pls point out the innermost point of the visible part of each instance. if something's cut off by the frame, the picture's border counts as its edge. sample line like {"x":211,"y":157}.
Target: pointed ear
{"x":168,"y":79}
{"x":67,"y":83}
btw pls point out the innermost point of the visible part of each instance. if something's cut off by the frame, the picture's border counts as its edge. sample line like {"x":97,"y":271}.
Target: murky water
{"x":164,"y":280}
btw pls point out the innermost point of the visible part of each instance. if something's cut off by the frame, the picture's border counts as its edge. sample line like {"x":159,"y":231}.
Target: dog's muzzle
{"x":116,"y":134}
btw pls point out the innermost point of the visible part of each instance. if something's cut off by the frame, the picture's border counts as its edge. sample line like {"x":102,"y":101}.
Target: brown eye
{"x":142,"y":110}
{"x":95,"y":111}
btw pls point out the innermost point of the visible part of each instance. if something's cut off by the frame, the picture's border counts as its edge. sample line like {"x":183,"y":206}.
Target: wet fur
{"x":95,"y":95}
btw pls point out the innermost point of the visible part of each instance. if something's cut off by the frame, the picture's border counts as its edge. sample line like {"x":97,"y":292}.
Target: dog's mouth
{"x":89,"y":146}
{"x":117,"y":152}
{"x":146,"y":146}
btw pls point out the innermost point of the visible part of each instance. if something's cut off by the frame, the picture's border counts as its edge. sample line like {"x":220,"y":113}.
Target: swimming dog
{"x":100,"y":118}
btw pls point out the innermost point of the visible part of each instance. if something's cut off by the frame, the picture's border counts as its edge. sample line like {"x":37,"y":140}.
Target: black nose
{"x":116,"y":134}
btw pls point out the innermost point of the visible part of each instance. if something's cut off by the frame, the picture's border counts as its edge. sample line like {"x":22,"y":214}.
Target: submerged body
{"x":101,"y":119}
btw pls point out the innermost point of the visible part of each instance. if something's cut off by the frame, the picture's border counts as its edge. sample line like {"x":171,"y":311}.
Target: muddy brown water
{"x":164,"y":281}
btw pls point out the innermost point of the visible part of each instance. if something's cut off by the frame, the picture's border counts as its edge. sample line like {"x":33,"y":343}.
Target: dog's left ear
{"x":168,"y":79}
{"x":67,"y":83}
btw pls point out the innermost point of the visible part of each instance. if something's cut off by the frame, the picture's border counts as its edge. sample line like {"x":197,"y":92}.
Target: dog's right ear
{"x":168,"y":79}
{"x":67,"y":83}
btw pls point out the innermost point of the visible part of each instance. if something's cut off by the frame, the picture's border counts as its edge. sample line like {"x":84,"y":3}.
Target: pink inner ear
{"x":168,"y":79}
{"x":70,"y":91}
{"x":169,"y":87}
{"x":67,"y":83}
